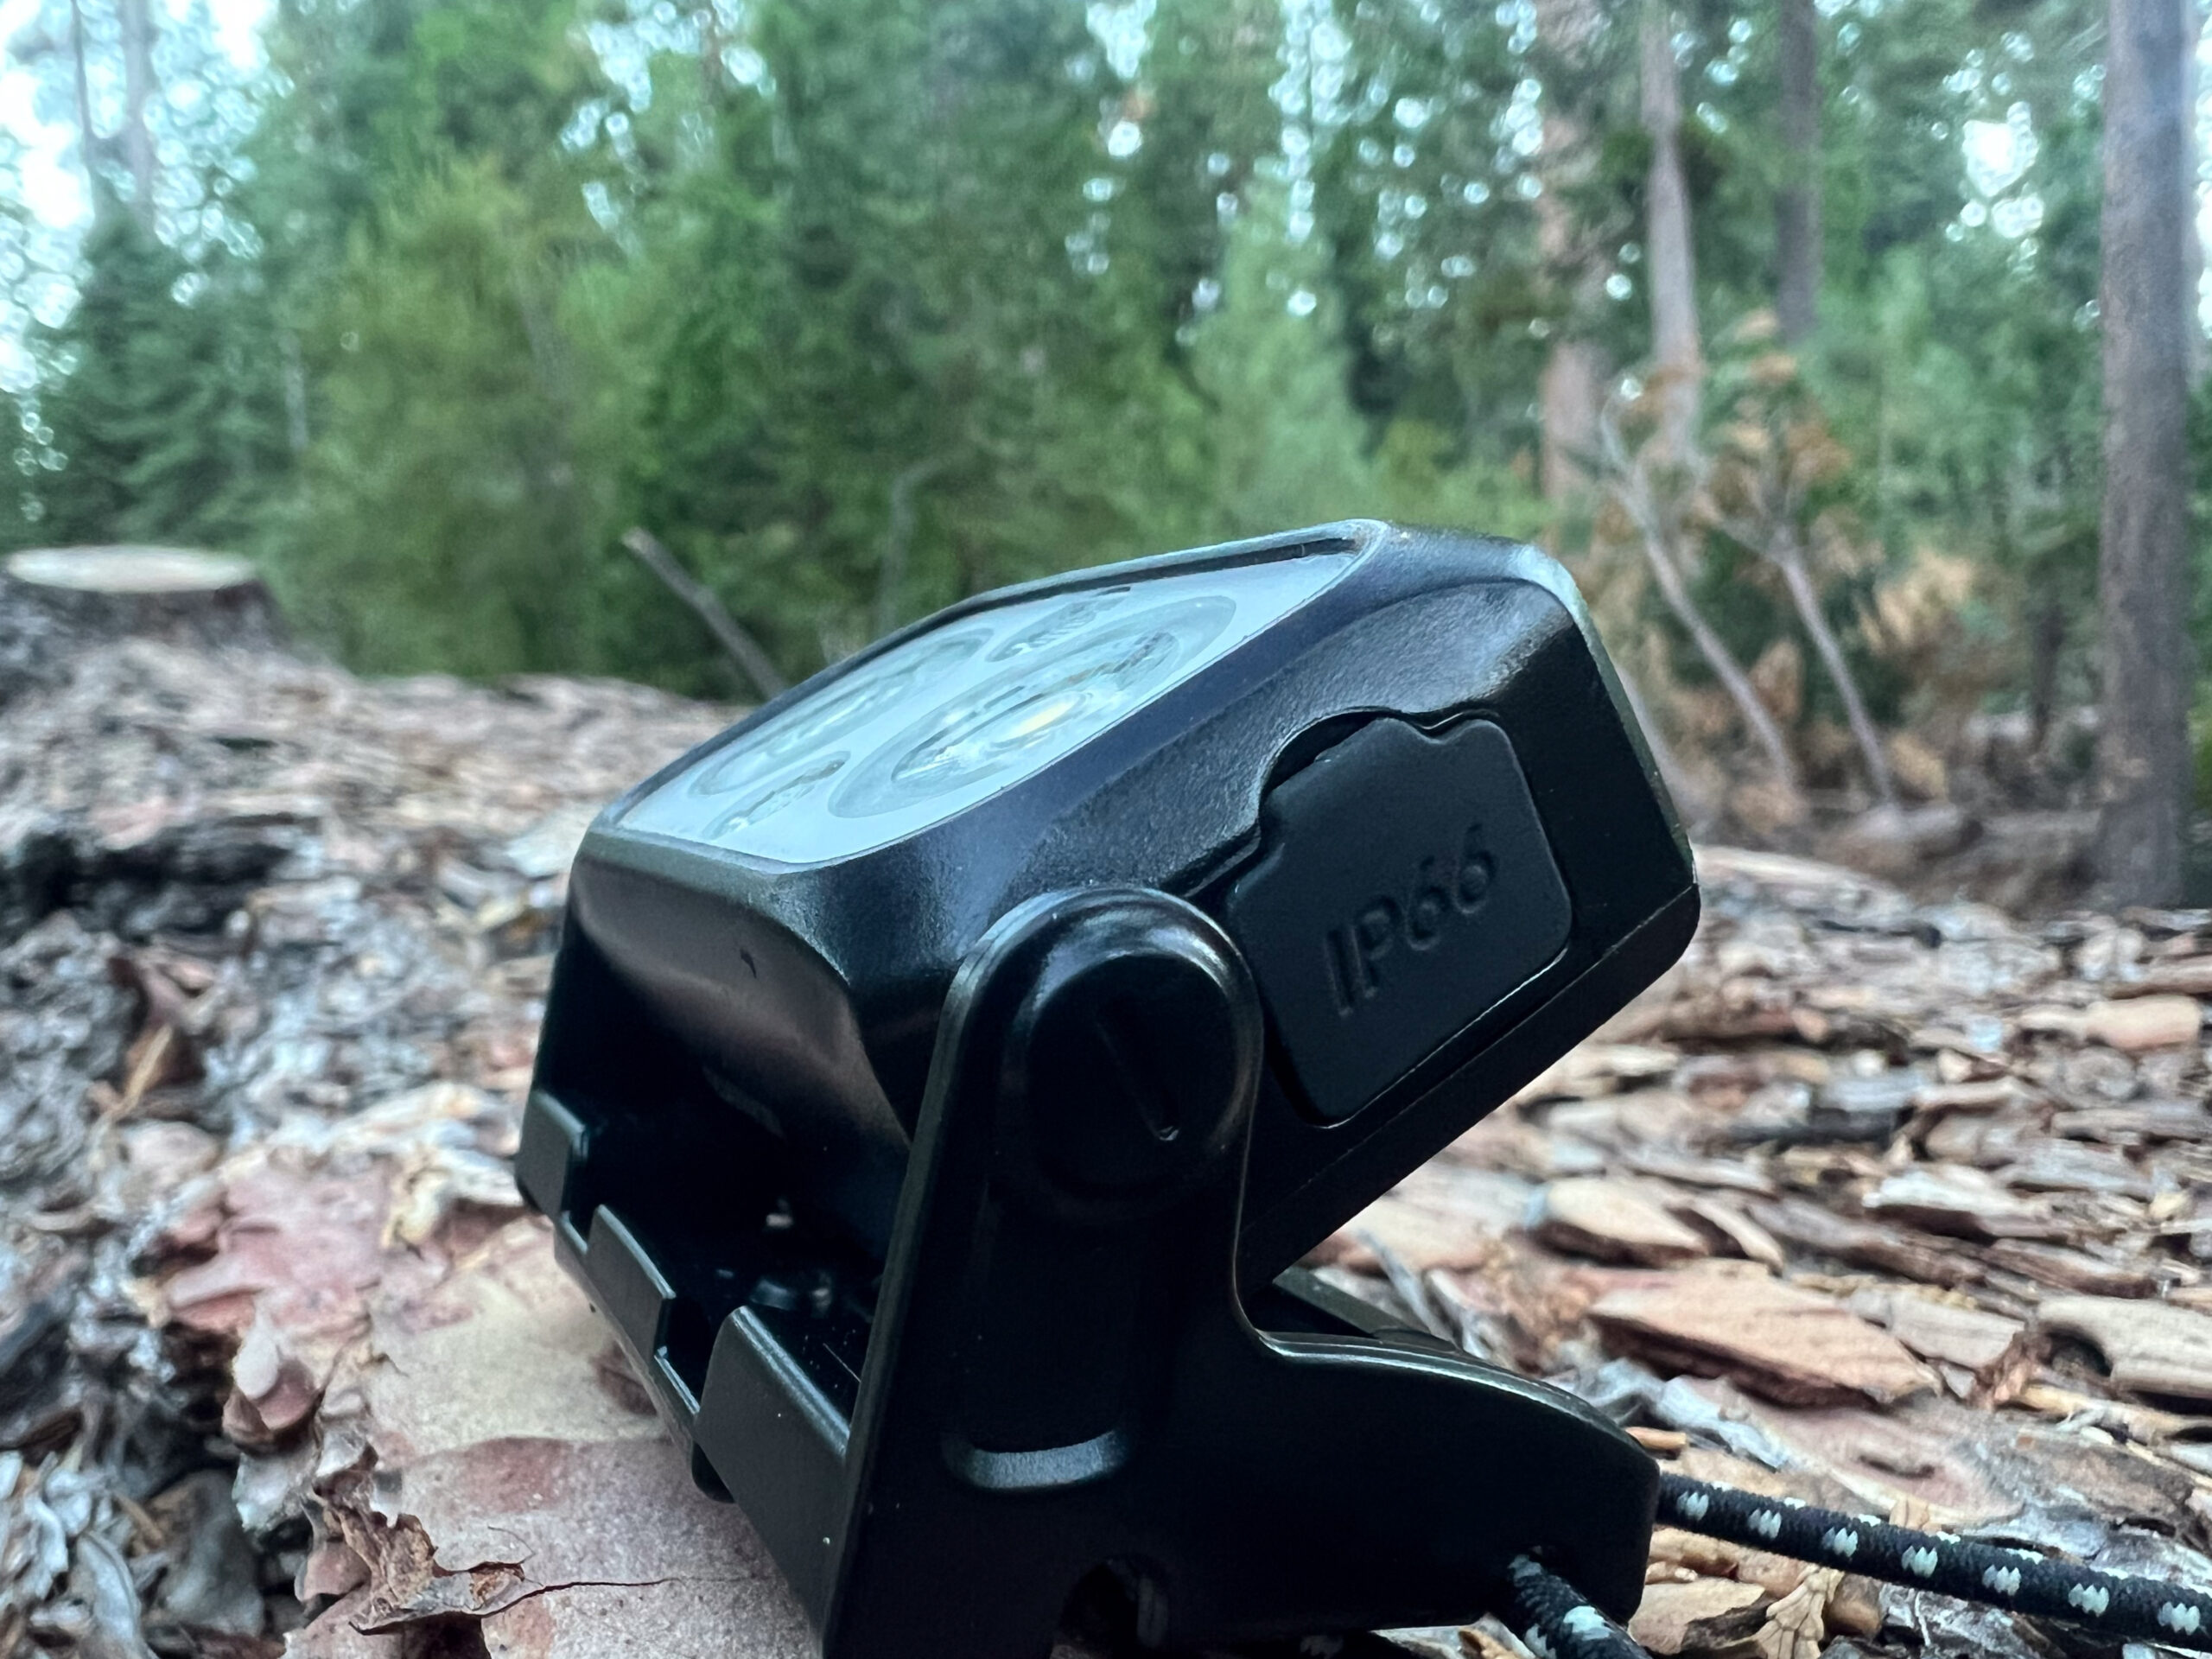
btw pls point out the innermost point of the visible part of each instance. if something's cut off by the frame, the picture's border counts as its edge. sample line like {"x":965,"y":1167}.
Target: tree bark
{"x":1678,"y":361}
{"x":2148,"y":315}
{"x":1573,"y":388}
{"x":296,"y":390}
{"x":57,"y":601}
{"x":137,"y":21}
{"x":2047,"y":643}
{"x":2192,"y":28}
{"x":1798,"y":232}
{"x":1569,"y":396}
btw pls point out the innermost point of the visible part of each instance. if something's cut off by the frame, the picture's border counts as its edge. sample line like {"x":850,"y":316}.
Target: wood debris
{"x":2167,"y":1020}
{"x":1967,"y":1163}
{"x":1847,"y":1238}
{"x":1793,"y":1346}
{"x":272,"y":946}
{"x":1700,"y":1615}
{"x":1962,"y":1201}
{"x":2159,"y":1352}
{"x":1613,"y":1221}
{"x":1891,"y":1205}
{"x":483,"y":1456}
{"x":1979,"y":1354}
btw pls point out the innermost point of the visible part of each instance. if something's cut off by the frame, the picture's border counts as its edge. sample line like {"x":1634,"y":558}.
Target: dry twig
{"x":1629,"y":478}
{"x":751,"y":657}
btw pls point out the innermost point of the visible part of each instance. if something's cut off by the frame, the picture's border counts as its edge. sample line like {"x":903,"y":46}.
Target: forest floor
{"x":1902,"y":1205}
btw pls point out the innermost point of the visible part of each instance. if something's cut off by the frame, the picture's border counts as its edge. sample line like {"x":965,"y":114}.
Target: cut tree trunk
{"x":56,"y":600}
{"x":2149,"y":315}
{"x":1797,"y":238}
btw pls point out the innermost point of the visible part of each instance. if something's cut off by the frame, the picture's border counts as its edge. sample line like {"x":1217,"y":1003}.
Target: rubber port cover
{"x":1405,"y":887}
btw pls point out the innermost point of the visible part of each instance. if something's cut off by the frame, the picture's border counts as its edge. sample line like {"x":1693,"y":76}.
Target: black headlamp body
{"x":1406,"y":801}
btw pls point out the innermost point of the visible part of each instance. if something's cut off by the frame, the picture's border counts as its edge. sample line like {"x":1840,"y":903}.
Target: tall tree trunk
{"x":88,"y":138}
{"x":1797,"y":238}
{"x":2047,"y":644}
{"x":1679,"y":363}
{"x":2149,"y":316}
{"x":2192,"y":28}
{"x":1569,"y":396}
{"x":295,"y":371}
{"x":1572,"y":388}
{"x":137,"y":21}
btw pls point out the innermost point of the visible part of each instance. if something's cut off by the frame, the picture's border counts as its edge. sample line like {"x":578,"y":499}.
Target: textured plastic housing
{"x":944,"y":1187}
{"x":1457,"y":676}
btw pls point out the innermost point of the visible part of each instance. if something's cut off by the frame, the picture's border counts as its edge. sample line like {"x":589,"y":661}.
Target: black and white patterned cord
{"x":1554,"y":1621}
{"x":2140,"y":1610}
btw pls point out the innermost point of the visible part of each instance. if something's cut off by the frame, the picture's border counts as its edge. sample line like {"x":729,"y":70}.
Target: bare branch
{"x":1779,"y":548}
{"x":1632,"y":490}
{"x":899,"y":533}
{"x":751,"y":659}
{"x":1689,"y":797}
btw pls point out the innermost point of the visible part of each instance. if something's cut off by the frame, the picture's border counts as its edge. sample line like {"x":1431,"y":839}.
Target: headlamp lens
{"x":1063,"y":624}
{"x":778,"y":794}
{"x":946,"y":719}
{"x":866,"y":693}
{"x":1052,"y":700}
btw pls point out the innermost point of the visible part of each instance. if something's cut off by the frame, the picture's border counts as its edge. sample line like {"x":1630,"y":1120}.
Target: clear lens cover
{"x":1049,"y":703}
{"x":1062,"y":623}
{"x":891,"y":682}
{"x":766,"y":799}
{"x":952,"y":717}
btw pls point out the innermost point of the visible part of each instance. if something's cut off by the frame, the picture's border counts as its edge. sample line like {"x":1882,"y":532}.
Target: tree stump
{"x":56,"y":601}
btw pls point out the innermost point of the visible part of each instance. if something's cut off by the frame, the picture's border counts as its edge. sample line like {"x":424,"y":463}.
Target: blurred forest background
{"x":1789,"y":324}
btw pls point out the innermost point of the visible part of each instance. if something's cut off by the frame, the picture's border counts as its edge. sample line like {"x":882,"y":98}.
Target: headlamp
{"x":945,"y":1067}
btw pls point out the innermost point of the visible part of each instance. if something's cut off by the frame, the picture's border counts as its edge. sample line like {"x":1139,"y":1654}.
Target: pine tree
{"x":159,"y":403}
{"x":112,"y":364}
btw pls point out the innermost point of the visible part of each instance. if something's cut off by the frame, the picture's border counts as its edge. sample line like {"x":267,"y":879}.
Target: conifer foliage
{"x":158,"y":400}
{"x":858,"y":306}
